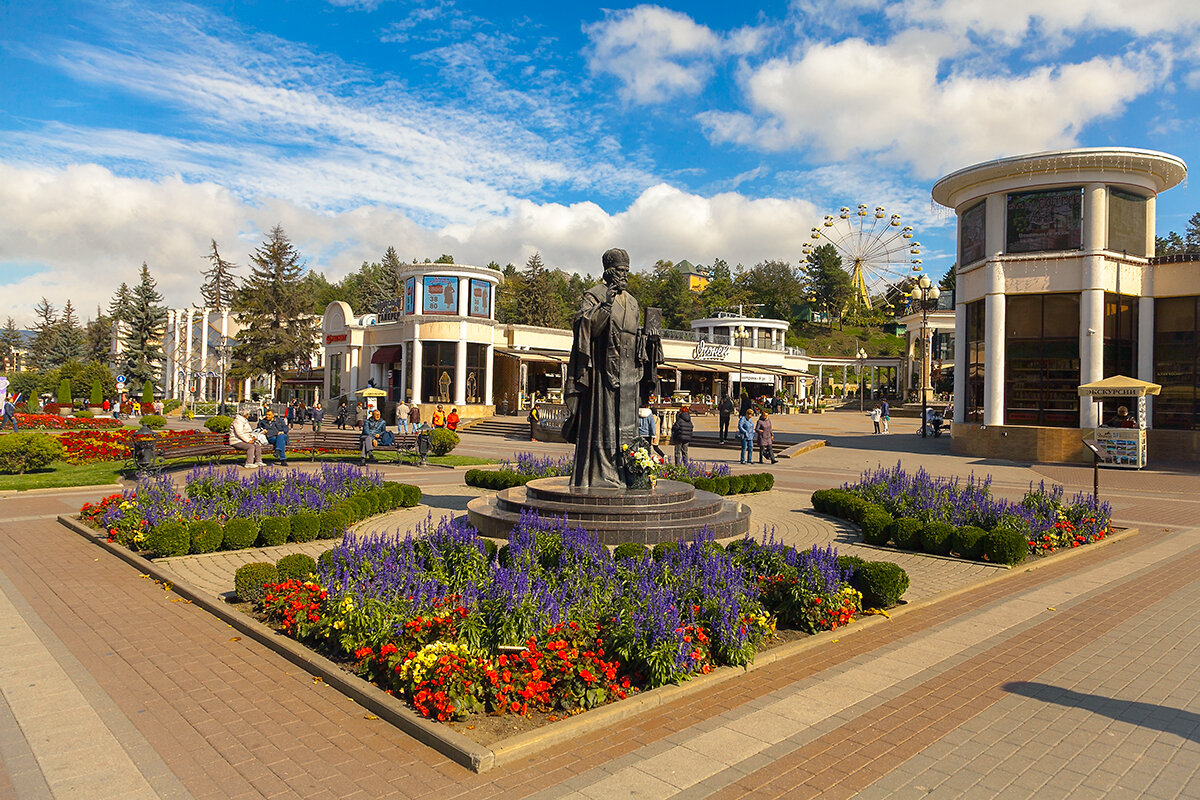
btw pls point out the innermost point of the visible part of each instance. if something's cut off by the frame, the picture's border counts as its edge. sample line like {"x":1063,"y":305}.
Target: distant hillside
{"x":819,"y":341}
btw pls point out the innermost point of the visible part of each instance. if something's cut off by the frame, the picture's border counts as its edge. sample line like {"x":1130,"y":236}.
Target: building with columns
{"x":1058,"y":286}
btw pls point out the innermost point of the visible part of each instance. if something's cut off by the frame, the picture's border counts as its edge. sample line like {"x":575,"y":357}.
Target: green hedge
{"x":249,"y":580}
{"x":206,"y":536}
{"x":84,"y":413}
{"x":274,"y":531}
{"x":240,"y":533}
{"x":882,"y":583}
{"x":306,"y":526}
{"x":968,"y":542}
{"x":154,"y":421}
{"x":333,"y":525}
{"x":218,"y":424}
{"x":22,"y":452}
{"x":169,"y":539}
{"x":495,"y":479}
{"x":937,"y":538}
{"x":630,"y":550}
{"x":171,"y":405}
{"x":1005,"y":546}
{"x":906,"y":533}
{"x":875,"y":522}
{"x":662,"y":548}
{"x":296,"y":566}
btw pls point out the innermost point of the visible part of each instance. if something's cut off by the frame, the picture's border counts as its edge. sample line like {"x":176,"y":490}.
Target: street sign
{"x":120,"y":379}
{"x":120,"y":386}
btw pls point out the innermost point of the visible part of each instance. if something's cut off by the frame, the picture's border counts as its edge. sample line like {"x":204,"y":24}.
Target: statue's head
{"x":616,"y":268}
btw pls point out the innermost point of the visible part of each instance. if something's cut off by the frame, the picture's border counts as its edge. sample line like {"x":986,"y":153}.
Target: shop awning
{"x":1118,"y":386}
{"x":526,"y":355}
{"x":388,"y":355}
{"x":688,"y":365}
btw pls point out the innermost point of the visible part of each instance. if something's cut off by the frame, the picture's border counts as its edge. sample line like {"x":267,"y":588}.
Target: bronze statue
{"x":612,"y":369}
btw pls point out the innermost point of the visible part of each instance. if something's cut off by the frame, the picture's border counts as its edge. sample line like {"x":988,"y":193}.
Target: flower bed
{"x":947,"y":517}
{"x":551,"y":621}
{"x":266,"y":508}
{"x":89,"y":447}
{"x":54,"y":422}
{"x":706,"y":476}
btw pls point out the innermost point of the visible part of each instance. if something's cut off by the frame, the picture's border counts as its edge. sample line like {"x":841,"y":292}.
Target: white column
{"x":204,"y":353}
{"x":460,"y":365}
{"x":172,"y":335}
{"x":354,"y":354}
{"x":419,"y":295}
{"x":416,"y":368}
{"x":994,"y":230}
{"x":1151,"y":214}
{"x":993,"y":356}
{"x":224,"y":343}
{"x":1145,"y":349}
{"x":754,"y":337}
{"x":820,"y":379}
{"x":488,"y":375}
{"x":246,"y":389}
{"x":960,"y":362}
{"x":464,"y":299}
{"x":189,"y":368}
{"x":1091,"y":299}
{"x":404,"y":374}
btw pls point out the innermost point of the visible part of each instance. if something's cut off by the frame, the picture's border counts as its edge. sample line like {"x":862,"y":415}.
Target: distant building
{"x":18,"y":360}
{"x":698,"y":277}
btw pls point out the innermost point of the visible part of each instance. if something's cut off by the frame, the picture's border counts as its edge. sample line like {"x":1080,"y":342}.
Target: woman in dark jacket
{"x":681,"y":435}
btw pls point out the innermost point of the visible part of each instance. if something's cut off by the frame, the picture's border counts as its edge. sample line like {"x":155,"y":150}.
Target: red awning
{"x":388,"y":355}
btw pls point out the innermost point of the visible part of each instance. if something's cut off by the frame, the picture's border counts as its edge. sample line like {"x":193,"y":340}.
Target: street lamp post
{"x":224,"y":351}
{"x":929,"y":293}
{"x":741,"y":335}
{"x":862,"y":360}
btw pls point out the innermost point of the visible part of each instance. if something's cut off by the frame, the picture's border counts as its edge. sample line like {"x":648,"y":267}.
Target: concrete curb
{"x":86,"y":487}
{"x":480,"y":758}
{"x":802,"y":448}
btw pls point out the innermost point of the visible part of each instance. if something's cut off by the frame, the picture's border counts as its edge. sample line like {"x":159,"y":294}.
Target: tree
{"x":278,"y":328}
{"x":147,"y":393}
{"x":142,"y":356}
{"x":120,"y":306}
{"x":1174,"y":244}
{"x":220,"y":282}
{"x":773,"y":286}
{"x":67,"y":344}
{"x":97,"y":338}
{"x":668,"y":289}
{"x":949,"y":280}
{"x":11,"y":343}
{"x":826,"y":282}
{"x":64,"y":392}
{"x":508,"y":296}
{"x":444,"y":258}
{"x":721,"y":294}
{"x":96,"y":397}
{"x":538,"y":303}
{"x":45,"y":332}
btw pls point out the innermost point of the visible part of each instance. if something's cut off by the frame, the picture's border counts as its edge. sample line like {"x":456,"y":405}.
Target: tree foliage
{"x":540,"y":302}
{"x":141,"y":354}
{"x":11,"y":344}
{"x":826,"y":282}
{"x":1174,"y":244}
{"x":774,"y":287}
{"x":220,"y":282}
{"x":97,"y":338}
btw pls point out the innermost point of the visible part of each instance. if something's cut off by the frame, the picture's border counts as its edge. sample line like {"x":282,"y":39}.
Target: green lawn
{"x":449,"y":460}
{"x":60,"y":473}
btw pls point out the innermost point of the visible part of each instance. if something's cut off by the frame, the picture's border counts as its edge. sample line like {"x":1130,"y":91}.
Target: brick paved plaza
{"x":1077,"y":678}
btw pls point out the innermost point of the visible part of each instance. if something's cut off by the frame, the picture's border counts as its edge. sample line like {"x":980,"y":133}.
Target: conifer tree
{"x":220,"y":283}
{"x":121,"y":304}
{"x":97,"y":338}
{"x":11,"y":342}
{"x":142,"y":356}
{"x":538,"y":303}
{"x":45,"y":332}
{"x":278,"y":328}
{"x":67,"y":342}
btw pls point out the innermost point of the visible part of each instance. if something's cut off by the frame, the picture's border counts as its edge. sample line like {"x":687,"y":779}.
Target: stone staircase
{"x":505,"y":427}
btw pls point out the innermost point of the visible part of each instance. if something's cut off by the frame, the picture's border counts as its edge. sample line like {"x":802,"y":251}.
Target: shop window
{"x":1176,"y":337}
{"x":476,"y":372}
{"x":1041,"y":376}
{"x":976,"y":325}
{"x":437,"y":371}
{"x":1044,"y":221}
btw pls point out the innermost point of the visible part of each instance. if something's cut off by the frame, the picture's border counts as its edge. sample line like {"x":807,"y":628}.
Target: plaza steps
{"x":504,"y":427}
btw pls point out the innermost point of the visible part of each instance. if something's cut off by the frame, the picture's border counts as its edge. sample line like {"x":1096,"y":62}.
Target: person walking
{"x":276,"y":431}
{"x":885,"y":414}
{"x":533,"y":421}
{"x":439,"y":417}
{"x":681,"y":435}
{"x":766,"y":438}
{"x":241,"y":437}
{"x":414,"y":418}
{"x":340,"y":420}
{"x":452,"y":419}
{"x":318,"y":416}
{"x":876,"y":415}
{"x":360,"y":415}
{"x":725,"y":411}
{"x":373,"y":428}
{"x":10,"y":414}
{"x":745,"y":429}
{"x":648,"y":430}
{"x":402,"y":417}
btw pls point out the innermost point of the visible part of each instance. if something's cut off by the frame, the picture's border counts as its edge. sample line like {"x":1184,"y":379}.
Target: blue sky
{"x":138,"y":131}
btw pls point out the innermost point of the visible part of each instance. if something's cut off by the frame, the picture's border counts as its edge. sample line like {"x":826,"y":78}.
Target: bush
{"x":169,"y":539}
{"x":171,"y":405}
{"x":296,"y":565}
{"x":306,"y":526}
{"x":661,"y":550}
{"x":852,"y":507}
{"x":1005,"y":546}
{"x":768,"y":482}
{"x":333,"y":525}
{"x":875,"y":523}
{"x":631,"y":550}
{"x":968,"y":542}
{"x":736,"y":484}
{"x":822,"y":500}
{"x":218,"y":424}
{"x":206,"y":535}
{"x":97,"y":395}
{"x":851,"y":563}
{"x":442,"y":441}
{"x":349,"y":511}
{"x":274,"y":531}
{"x":325,"y":560}
{"x":147,"y":392}
{"x":64,"y":393}
{"x":906,"y":533}
{"x":22,"y":452}
{"x":84,"y":413}
{"x":249,"y":580}
{"x":705,"y":484}
{"x":882,"y":583}
{"x":412,"y":495}
{"x":240,"y":533}
{"x":721,"y":486}
{"x":154,"y":421}
{"x":937,"y":538}
{"x":395,"y":493}
{"x":490,"y":549}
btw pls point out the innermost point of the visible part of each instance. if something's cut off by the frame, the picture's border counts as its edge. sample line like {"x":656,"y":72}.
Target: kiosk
{"x":1122,"y":444}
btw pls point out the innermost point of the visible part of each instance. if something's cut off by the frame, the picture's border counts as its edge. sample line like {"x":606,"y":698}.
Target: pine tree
{"x":141,"y":355}
{"x":508,"y":296}
{"x":119,"y":308}
{"x":220,"y":283}
{"x":67,"y":343}
{"x":46,"y":331}
{"x":97,"y":338}
{"x":538,"y":303}
{"x":273,"y":309}
{"x":826,"y":281}
{"x":11,"y":342}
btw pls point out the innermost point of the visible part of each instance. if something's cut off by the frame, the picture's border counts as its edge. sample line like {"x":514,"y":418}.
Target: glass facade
{"x":1127,"y":214}
{"x":437,"y":372}
{"x":476,"y":372}
{"x":1176,"y":337}
{"x":1045,"y":221}
{"x":976,"y":326}
{"x":1041,"y":376}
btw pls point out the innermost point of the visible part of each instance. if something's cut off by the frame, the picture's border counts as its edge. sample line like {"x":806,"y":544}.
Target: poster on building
{"x":441,"y":295}
{"x":410,"y":295}
{"x":972,"y":225}
{"x":1045,"y":221}
{"x":1127,"y":214}
{"x":481,"y":305}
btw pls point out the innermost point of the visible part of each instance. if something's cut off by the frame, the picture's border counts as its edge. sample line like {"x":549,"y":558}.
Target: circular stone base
{"x":670,"y":512}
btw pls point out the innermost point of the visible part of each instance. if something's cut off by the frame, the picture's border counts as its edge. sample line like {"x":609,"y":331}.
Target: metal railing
{"x":716,"y":338}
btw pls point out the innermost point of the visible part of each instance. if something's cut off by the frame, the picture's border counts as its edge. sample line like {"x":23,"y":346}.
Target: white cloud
{"x":655,"y":52}
{"x":853,"y":98}
{"x":1013,"y":20}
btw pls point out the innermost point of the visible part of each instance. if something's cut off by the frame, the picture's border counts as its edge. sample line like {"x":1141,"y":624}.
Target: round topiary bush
{"x":168,"y":539}
{"x":333,"y":525}
{"x":736,"y":484}
{"x":349,"y":511}
{"x":768,"y":482}
{"x":705,"y":484}
{"x":968,"y":542}
{"x":218,"y":424}
{"x":882,"y":583}
{"x":22,"y":452}
{"x":395,"y":493}
{"x":663,"y":549}
{"x":721,"y":486}
{"x":206,"y":535}
{"x":937,"y":538}
{"x":249,"y":580}
{"x":442,"y":441}
{"x":154,"y":421}
{"x":369,"y":502}
{"x":84,"y":413}
{"x":490,"y":549}
{"x":296,"y":566}
{"x":821,"y":500}
{"x":306,"y":526}
{"x":1005,"y":546}
{"x":274,"y":531}
{"x":240,"y":533}
{"x":630,"y":550}
{"x":738,"y":546}
{"x":850,"y":563}
{"x":875,"y":524}
{"x":906,"y":533}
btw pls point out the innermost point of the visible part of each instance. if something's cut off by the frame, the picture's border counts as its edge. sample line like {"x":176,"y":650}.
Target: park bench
{"x":199,"y":444}
{"x":333,"y":440}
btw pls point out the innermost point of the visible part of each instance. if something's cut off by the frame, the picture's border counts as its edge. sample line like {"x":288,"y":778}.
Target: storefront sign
{"x":388,"y":310}
{"x":441,"y":295}
{"x":481,"y":305}
{"x":706,"y":351}
{"x":335,"y":337}
{"x":410,"y":295}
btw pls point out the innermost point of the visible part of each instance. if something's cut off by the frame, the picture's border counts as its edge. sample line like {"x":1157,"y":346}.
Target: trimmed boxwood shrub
{"x":968,"y":542}
{"x":851,"y":563}
{"x":882,"y":583}
{"x":395,"y":493}
{"x":206,"y":536}
{"x":219,"y":423}
{"x":442,"y":441}
{"x":630,"y":550}
{"x":169,"y":539}
{"x":306,"y":526}
{"x":721,"y":486}
{"x":21,"y":452}
{"x":296,"y":566}
{"x":249,"y":579}
{"x":768,"y":482}
{"x":84,"y":413}
{"x":362,"y":508}
{"x":154,"y":421}
{"x":412,"y":495}
{"x":240,"y":533}
{"x":1005,"y":546}
{"x":705,"y":484}
{"x":736,"y":482}
{"x":822,"y":500}
{"x":906,"y":533}
{"x":662,"y":548}
{"x":875,"y":524}
{"x":333,"y":524}
{"x":349,"y":510}
{"x":937,"y":538}
{"x":274,"y":531}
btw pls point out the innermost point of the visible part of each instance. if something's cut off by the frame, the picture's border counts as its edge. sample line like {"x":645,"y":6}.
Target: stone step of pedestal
{"x":559,"y":490}
{"x":700,"y":504}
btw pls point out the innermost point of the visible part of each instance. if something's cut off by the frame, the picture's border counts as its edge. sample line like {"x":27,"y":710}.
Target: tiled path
{"x":1075,"y":679}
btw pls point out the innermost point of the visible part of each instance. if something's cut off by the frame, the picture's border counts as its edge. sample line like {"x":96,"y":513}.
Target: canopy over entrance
{"x":1118,"y":386}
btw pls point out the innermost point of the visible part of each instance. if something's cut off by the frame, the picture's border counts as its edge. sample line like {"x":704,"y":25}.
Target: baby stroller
{"x":934,"y":424}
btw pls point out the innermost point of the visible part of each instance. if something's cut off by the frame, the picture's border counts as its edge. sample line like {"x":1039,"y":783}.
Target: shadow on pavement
{"x":894,"y":442}
{"x":1181,"y":722}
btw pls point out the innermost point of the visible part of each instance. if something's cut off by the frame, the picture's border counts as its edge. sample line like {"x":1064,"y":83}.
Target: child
{"x":876,"y":416}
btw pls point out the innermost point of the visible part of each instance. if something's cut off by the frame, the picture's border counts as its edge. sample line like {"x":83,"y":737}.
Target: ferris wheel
{"x":877,"y":250}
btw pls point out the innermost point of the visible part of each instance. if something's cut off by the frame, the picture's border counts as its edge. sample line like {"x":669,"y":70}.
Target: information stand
{"x":1121,"y":446}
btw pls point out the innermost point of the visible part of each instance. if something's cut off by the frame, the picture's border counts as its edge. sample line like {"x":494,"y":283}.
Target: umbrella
{"x":371,"y":391}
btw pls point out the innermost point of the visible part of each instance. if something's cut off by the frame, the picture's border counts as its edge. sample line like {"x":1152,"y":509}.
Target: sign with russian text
{"x":441,"y":295}
{"x":481,"y":299}
{"x":410,"y":296}
{"x":707,"y":351}
{"x":335,"y":337}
